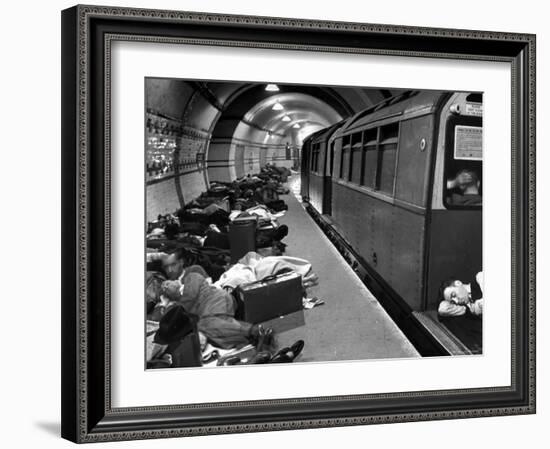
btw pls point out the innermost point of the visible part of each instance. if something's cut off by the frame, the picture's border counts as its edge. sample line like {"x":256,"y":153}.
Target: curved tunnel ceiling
{"x":299,"y":108}
{"x":252,"y":104}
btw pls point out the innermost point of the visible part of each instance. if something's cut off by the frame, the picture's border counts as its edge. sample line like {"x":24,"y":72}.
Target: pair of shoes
{"x":260,"y":358}
{"x":288,"y":354}
{"x":235,"y":360}
{"x":214,"y":355}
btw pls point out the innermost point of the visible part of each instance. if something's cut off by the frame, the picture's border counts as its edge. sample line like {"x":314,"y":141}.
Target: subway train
{"x":379,"y":183}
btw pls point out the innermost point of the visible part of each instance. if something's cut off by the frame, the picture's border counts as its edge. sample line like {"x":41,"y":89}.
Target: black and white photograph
{"x":246,"y":224}
{"x":284,"y":223}
{"x":298,"y":223}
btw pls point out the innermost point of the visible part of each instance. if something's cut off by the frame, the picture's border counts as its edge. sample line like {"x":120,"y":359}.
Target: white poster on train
{"x":468,"y":143}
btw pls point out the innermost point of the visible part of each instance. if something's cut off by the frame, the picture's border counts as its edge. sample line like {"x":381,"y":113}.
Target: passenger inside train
{"x":464,"y":189}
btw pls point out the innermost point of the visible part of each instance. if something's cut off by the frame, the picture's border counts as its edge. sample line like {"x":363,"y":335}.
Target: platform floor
{"x":351,"y":325}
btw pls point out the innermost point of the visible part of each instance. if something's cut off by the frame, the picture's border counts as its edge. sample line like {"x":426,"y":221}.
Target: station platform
{"x":351,"y":324}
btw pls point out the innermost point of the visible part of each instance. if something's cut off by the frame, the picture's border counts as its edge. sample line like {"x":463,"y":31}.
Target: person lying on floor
{"x":458,"y":298}
{"x":174,"y":262}
{"x":214,"y":307}
{"x":268,"y":196}
{"x":219,"y":238}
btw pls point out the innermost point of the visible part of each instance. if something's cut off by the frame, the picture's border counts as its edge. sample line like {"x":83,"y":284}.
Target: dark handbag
{"x":272,"y":297}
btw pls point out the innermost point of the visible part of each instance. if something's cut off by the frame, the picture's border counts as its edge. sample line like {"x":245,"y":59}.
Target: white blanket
{"x":253,"y":267}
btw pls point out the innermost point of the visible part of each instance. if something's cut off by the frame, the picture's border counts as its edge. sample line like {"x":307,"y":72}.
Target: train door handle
{"x":374,"y":258}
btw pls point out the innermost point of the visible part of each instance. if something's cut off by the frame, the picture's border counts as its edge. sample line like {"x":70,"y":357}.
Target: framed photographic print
{"x":283,"y":223}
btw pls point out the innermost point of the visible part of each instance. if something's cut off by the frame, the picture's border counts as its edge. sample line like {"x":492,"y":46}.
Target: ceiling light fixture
{"x":277,"y":106}
{"x":296,"y":125}
{"x":286,"y":118}
{"x":272,"y":88}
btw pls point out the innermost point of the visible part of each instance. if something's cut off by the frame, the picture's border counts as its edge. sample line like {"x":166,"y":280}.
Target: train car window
{"x":389,"y":136}
{"x":357,"y":166}
{"x":317,"y":155}
{"x":357,"y":163}
{"x":345,"y":162}
{"x":316,"y":166}
{"x":474,"y":98}
{"x":370,"y":142}
{"x":346,"y":149}
{"x":463,"y":163}
{"x":369,"y":165}
{"x":388,"y":154}
{"x":330,"y":163}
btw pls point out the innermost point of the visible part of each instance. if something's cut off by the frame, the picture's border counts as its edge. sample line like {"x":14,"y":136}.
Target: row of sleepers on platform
{"x":216,"y":271}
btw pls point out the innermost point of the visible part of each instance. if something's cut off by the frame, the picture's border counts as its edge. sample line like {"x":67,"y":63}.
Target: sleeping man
{"x":458,"y":298}
{"x":215,"y":308}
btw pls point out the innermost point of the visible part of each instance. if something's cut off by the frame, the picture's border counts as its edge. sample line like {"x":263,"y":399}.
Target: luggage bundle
{"x":217,"y":229}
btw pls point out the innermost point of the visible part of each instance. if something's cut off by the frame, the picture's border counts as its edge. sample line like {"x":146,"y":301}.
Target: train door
{"x":412,"y":186}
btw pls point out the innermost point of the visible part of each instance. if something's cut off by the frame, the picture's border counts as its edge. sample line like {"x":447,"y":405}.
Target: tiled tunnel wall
{"x":174,"y":169}
{"x":181,"y":158}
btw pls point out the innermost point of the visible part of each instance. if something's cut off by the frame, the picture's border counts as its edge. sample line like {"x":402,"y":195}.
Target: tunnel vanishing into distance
{"x":198,"y":132}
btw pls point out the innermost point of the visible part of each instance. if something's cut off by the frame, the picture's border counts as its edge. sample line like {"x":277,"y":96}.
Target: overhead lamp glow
{"x":296,"y":125}
{"x":272,"y":88}
{"x":286,"y":118}
{"x":277,"y":107}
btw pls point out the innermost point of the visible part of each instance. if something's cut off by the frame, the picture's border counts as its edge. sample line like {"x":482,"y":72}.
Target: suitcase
{"x":242,"y":236}
{"x":271,"y":297}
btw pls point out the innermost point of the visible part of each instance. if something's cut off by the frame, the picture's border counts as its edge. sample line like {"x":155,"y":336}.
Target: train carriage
{"x":390,"y":169}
